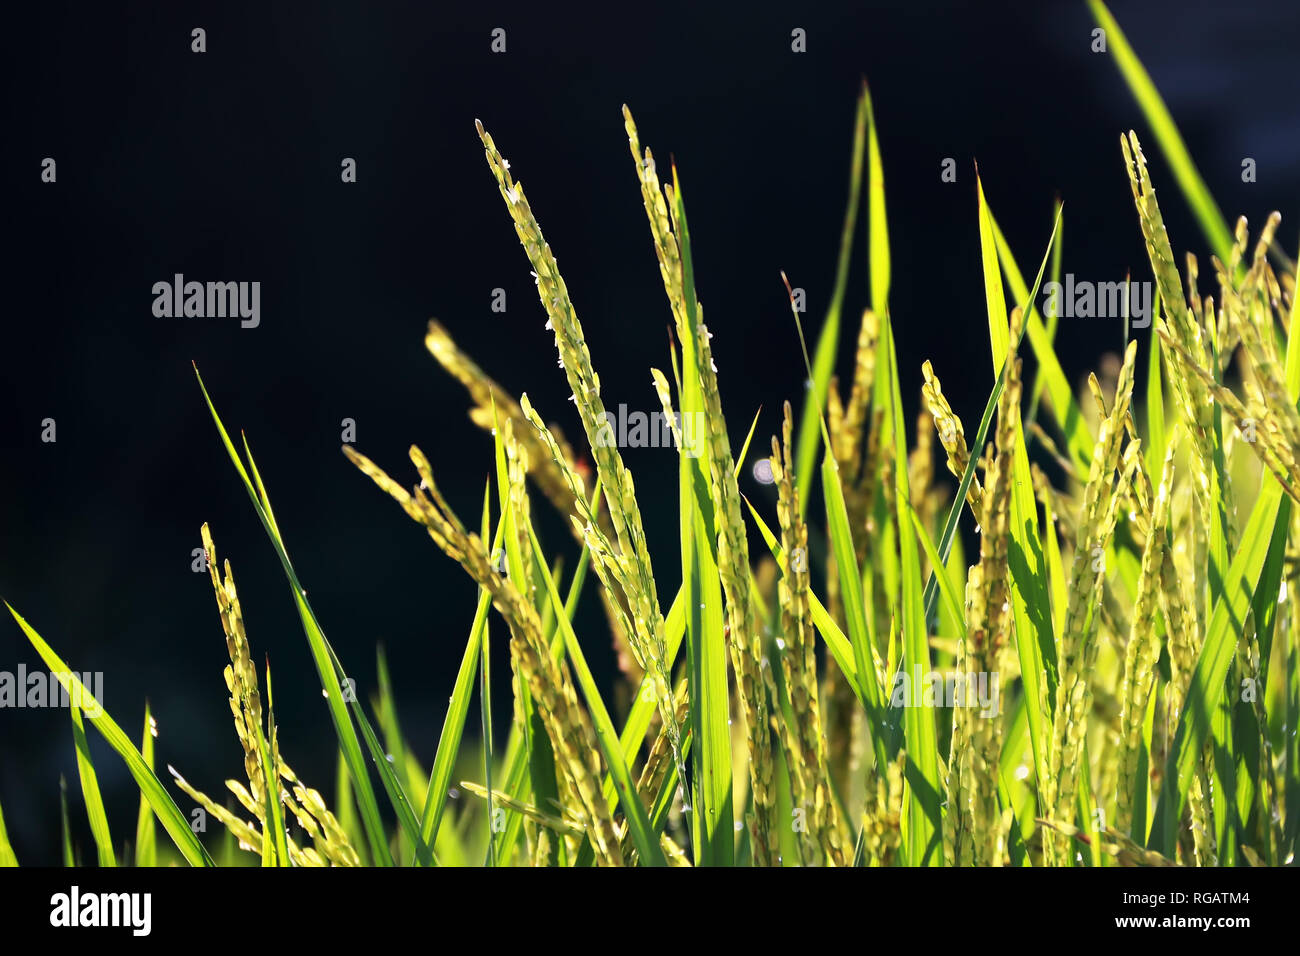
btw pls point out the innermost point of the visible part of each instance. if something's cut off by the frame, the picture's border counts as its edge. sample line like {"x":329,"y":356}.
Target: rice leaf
{"x":638,"y":820}
{"x":1035,"y":636}
{"x":146,"y":829}
{"x":954,"y":513}
{"x":861,"y":631}
{"x":7,"y":857}
{"x":1197,"y":194}
{"x":922,"y":823}
{"x":69,"y":855}
{"x":1156,"y":436}
{"x":172,"y":820}
{"x":1269,"y":516}
{"x":1060,"y":396}
{"x":951,"y":599}
{"x":275,"y":826}
{"x":828,"y":339}
{"x":485,"y":698}
{"x":516,"y":784}
{"x":331,"y":675}
{"x":1053,"y":316}
{"x":711,"y":809}
{"x":90,"y":791}
{"x":878,"y":231}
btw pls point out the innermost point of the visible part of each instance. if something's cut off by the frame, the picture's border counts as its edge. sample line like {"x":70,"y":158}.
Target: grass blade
{"x":7,"y":857}
{"x":485,"y":698}
{"x":453,"y":726}
{"x":1060,"y":396}
{"x":146,"y":828}
{"x":1270,"y":516}
{"x":922,"y":823}
{"x":172,"y":820}
{"x":711,"y":809}
{"x":1053,"y":317}
{"x":951,"y":598}
{"x":90,"y":791}
{"x":69,"y":855}
{"x":837,"y":644}
{"x":638,"y":821}
{"x":878,"y":231}
{"x":1030,"y":589}
{"x":331,"y":675}
{"x":1156,"y":436}
{"x":954,"y":514}
{"x":861,"y":632}
{"x":1170,"y":140}
{"x":828,"y":340}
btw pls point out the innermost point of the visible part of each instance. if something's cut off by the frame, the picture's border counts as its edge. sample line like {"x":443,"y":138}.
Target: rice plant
{"x":1111,"y":678}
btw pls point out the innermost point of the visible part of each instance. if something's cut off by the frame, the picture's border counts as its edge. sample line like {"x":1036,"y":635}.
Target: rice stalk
{"x":1143,"y":648}
{"x":989,"y":625}
{"x":494,"y":406}
{"x":566,"y":723}
{"x":637,"y":581}
{"x":1078,"y":645}
{"x":951,"y":435}
{"x":747,"y":656}
{"x":810,"y":777}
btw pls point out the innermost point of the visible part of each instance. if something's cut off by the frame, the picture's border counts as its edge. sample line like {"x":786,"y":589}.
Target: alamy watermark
{"x":654,"y":430}
{"x":1100,"y":300}
{"x":209,"y":300}
{"x":937,"y":689}
{"x":50,"y":689}
{"x":133,"y":911}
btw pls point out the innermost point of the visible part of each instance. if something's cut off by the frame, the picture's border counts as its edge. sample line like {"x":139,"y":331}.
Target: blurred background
{"x":225,"y":165}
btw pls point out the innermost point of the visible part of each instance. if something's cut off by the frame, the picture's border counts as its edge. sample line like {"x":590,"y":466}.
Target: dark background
{"x":225,"y":166}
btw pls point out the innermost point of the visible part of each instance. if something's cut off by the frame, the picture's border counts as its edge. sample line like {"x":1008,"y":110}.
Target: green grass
{"x":705,"y":764}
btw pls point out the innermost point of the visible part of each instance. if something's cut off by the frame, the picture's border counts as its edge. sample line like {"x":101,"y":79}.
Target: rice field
{"x":1111,"y":678}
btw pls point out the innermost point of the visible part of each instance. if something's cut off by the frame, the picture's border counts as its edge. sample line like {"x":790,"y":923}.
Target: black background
{"x":225,"y":166}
